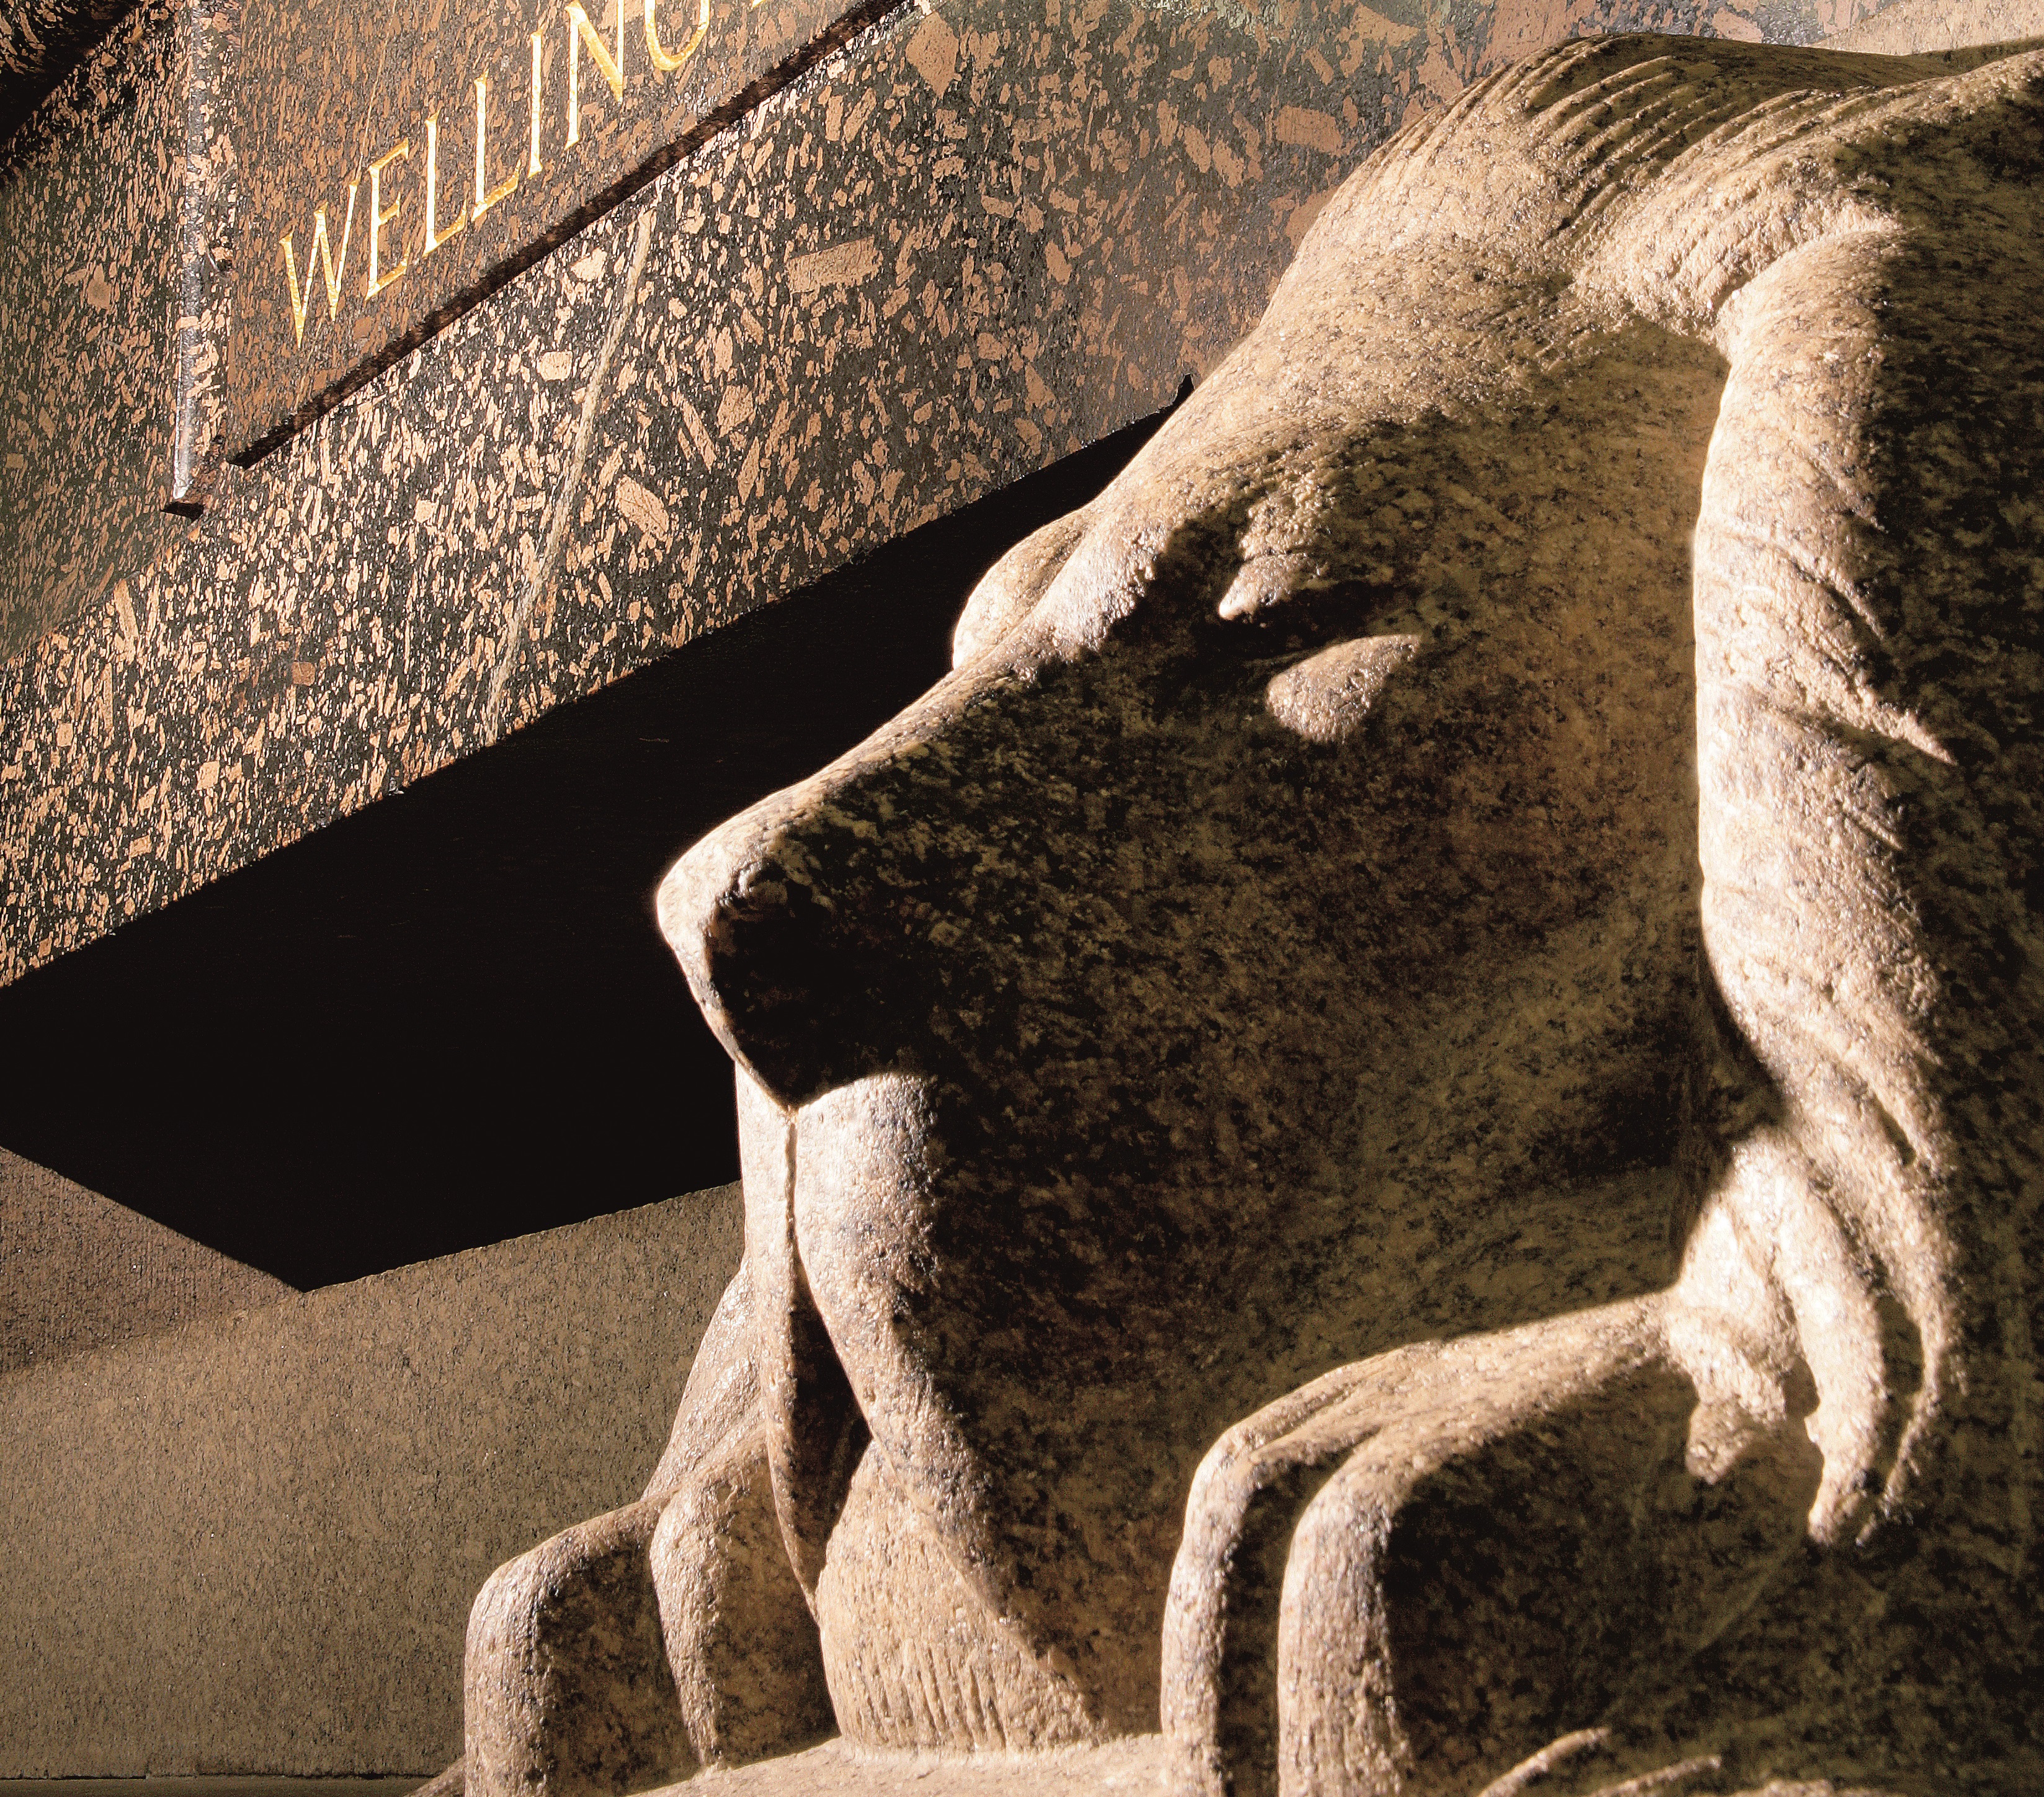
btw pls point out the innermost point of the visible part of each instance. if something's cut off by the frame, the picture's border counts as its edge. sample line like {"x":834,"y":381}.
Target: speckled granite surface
{"x":250,"y":1545}
{"x":331,"y":90}
{"x":39,"y":41}
{"x":91,"y":196}
{"x":972,"y":238}
{"x":79,"y":1271}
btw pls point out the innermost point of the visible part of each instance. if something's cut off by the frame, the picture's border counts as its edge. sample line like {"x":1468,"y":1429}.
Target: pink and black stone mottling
{"x":977,"y":236}
{"x":328,"y":88}
{"x":91,"y":247}
{"x":41,"y":41}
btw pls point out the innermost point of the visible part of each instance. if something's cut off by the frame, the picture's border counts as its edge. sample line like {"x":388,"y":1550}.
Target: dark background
{"x":450,"y":1018}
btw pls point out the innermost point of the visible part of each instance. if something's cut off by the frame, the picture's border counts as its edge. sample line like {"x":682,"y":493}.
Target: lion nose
{"x":803,"y":924}
{"x":742,"y":914}
{"x":821,"y":931}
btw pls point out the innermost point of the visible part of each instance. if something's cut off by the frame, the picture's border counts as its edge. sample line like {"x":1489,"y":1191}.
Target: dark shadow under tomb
{"x":449,"y":1018}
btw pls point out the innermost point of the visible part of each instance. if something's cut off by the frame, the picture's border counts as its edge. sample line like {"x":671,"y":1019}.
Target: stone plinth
{"x":78,"y":1271}
{"x":250,"y":1546}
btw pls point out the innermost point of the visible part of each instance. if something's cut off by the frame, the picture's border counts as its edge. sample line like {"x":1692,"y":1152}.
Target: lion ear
{"x":1328,"y":697}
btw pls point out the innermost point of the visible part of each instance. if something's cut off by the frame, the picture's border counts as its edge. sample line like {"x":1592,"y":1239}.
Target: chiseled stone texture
{"x":79,"y":1271}
{"x":1135,"y":1767}
{"x":1403,"y":1125}
{"x":251,"y":1545}
{"x":972,"y":240}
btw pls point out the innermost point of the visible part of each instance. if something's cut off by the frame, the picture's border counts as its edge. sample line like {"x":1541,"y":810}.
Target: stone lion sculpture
{"x":1400,"y":1128}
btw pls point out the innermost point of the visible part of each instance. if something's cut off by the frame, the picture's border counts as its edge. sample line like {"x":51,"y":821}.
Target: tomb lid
{"x":398,"y":164}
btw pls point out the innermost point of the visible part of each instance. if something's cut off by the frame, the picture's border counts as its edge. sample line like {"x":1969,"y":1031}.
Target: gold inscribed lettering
{"x":581,"y":32}
{"x":322,"y":252}
{"x":532,"y":167}
{"x":484,"y":200}
{"x":662,"y":60}
{"x":379,"y":218}
{"x":584,"y":34}
{"x":433,"y":241}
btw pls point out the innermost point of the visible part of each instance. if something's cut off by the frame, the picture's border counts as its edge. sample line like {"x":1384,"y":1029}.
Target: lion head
{"x":1405,"y":1113}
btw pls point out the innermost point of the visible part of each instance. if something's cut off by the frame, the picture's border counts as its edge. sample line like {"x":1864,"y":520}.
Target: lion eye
{"x":1328,"y":697}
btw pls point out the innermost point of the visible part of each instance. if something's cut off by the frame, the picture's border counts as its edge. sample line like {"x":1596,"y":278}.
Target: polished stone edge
{"x":249,"y":445}
{"x":206,"y":223}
